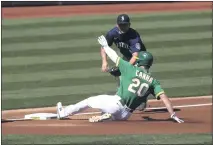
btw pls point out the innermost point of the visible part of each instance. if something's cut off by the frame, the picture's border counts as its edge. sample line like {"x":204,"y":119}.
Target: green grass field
{"x":201,"y":139}
{"x":47,"y":60}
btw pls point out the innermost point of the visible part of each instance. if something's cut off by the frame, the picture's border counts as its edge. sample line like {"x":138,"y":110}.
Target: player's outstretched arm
{"x":134,"y":58}
{"x":104,"y":67}
{"x":109,"y":51}
{"x":169,"y":107}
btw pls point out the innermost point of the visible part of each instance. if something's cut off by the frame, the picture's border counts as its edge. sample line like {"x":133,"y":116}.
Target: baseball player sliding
{"x":129,"y":43}
{"x":136,"y":84}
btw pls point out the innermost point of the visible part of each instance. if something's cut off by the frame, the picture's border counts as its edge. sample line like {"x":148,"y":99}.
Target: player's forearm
{"x":134,"y":58}
{"x":167,"y":103}
{"x":103,"y":56}
{"x":169,"y":107}
{"x":111,"y":53}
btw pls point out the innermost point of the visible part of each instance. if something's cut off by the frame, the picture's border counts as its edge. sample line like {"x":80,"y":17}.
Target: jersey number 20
{"x":141,"y":90}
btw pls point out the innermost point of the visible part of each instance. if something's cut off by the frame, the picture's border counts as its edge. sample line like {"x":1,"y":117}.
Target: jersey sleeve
{"x":109,"y":38}
{"x":137,"y":45}
{"x":124,"y":66}
{"x":156,"y":89}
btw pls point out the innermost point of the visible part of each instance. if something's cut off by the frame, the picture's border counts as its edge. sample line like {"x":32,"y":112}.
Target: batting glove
{"x":173,"y":116}
{"x":102,"y":40}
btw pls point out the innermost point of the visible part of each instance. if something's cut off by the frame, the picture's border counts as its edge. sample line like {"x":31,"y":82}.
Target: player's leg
{"x":106,"y":103}
{"x":111,"y":107}
{"x":71,"y":109}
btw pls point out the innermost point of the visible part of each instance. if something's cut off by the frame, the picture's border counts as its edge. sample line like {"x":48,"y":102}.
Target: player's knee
{"x":91,"y":101}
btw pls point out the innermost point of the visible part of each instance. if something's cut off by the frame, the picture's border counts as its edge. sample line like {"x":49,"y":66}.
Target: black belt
{"x":125,"y":106}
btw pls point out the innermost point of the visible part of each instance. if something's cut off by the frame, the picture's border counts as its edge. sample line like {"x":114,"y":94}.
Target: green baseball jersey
{"x":136,"y":84}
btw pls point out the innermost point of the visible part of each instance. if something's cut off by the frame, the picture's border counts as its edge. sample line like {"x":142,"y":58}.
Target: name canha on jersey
{"x":136,"y":84}
{"x":144,"y":76}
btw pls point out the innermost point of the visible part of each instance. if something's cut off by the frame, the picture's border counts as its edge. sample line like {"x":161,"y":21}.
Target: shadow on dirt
{"x":186,"y":120}
{"x":147,"y":118}
{"x":6,"y":121}
{"x":152,"y":111}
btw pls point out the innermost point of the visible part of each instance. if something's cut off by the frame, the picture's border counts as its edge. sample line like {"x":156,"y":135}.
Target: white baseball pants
{"x":106,"y":103}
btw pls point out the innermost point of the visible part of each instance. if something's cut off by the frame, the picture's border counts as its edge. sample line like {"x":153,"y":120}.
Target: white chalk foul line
{"x":51,"y":125}
{"x":155,"y":108}
{"x":53,"y":108}
{"x":182,"y":106}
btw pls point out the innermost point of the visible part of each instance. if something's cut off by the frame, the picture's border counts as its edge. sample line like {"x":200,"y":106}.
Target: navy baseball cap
{"x":123,"y":19}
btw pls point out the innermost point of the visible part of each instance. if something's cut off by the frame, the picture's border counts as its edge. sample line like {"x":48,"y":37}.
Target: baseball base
{"x":41,"y":116}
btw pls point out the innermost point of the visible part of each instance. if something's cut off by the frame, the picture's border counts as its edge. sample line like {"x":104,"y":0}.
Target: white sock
{"x":74,"y":109}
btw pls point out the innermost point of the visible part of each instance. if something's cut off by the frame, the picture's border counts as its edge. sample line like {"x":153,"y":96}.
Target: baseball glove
{"x":114,"y":71}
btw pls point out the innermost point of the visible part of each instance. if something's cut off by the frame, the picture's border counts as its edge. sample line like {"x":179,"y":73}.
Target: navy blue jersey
{"x":127,"y":43}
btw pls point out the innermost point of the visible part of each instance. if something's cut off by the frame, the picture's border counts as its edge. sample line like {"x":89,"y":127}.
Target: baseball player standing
{"x":136,"y":84}
{"x":129,"y":43}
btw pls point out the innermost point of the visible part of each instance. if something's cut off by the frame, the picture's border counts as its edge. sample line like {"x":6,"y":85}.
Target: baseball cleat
{"x":60,"y":111}
{"x":101,"y":118}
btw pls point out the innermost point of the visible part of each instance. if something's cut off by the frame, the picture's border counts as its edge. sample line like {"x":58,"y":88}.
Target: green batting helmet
{"x":144,"y":59}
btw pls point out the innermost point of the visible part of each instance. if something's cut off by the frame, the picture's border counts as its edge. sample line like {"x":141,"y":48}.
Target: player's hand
{"x":102,"y":40}
{"x":104,"y":67}
{"x":173,"y":116}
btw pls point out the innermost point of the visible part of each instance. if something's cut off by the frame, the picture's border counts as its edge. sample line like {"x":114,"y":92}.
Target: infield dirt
{"x":197,"y":119}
